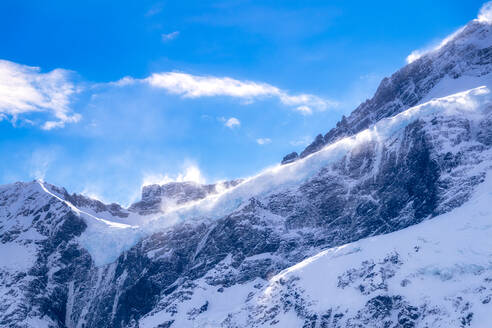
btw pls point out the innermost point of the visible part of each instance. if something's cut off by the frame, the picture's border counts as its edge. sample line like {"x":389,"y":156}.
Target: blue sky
{"x":103,"y":96}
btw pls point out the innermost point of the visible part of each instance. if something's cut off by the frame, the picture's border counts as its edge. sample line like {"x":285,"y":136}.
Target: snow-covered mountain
{"x":462,"y":61}
{"x":382,"y":222}
{"x":434,"y":274}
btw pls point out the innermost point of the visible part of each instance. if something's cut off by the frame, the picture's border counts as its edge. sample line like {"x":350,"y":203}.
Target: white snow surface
{"x":441,"y":260}
{"x":17,"y":257}
{"x":106,"y":240}
{"x":219,"y":305}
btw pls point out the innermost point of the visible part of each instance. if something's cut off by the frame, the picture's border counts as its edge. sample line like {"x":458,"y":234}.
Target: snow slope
{"x":435,"y":274}
{"x":461,"y":62}
{"x":444,"y":265}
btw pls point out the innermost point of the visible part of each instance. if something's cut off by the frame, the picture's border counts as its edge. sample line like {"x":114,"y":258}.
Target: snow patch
{"x":207,"y":307}
{"x":17,"y":257}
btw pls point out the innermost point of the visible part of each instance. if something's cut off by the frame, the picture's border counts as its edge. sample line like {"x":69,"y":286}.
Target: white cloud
{"x":24,"y":90}
{"x":127,"y":80}
{"x":194,"y":86}
{"x":305,"y":110}
{"x":263,"y":141}
{"x":485,"y":14}
{"x":191,"y":174}
{"x":231,"y":123}
{"x":169,"y":36}
{"x":416,"y":54}
{"x":206,"y":86}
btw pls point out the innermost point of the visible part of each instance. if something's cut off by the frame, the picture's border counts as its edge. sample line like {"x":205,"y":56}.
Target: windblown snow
{"x":442,"y":267}
{"x":105,"y":241}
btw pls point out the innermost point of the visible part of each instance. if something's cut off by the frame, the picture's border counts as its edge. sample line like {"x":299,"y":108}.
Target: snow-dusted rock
{"x":463,"y":61}
{"x":158,"y":198}
{"x":357,"y":232}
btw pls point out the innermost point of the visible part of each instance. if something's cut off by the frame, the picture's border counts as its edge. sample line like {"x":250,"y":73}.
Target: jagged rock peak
{"x":82,"y":201}
{"x":466,"y":54}
{"x":290,"y":158}
{"x":156,"y":197}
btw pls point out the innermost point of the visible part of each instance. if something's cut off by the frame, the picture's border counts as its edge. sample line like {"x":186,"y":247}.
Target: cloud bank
{"x":24,"y":90}
{"x":195,"y":86}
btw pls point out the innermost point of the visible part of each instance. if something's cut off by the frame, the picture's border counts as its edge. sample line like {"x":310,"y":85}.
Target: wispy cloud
{"x":485,"y":14}
{"x":304,"y":141}
{"x":155,"y":9}
{"x":25,"y":90}
{"x":195,"y":86}
{"x":45,"y":99}
{"x":231,"y":123}
{"x":306,"y":110}
{"x":89,"y":191}
{"x":263,"y":141}
{"x":169,"y":36}
{"x":191,"y":173}
{"x":433,"y":47}
{"x":40,"y":161}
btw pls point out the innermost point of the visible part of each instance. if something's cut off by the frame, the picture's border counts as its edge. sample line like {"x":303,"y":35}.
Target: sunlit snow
{"x":105,"y":240}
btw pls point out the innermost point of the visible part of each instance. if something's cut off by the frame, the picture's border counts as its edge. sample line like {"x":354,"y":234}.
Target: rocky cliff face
{"x":155,"y":198}
{"x":234,"y":255}
{"x":435,"y":274}
{"x":466,"y":55}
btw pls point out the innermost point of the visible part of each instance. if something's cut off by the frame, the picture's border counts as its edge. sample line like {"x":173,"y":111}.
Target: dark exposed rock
{"x":292,"y":157}
{"x":155,"y":197}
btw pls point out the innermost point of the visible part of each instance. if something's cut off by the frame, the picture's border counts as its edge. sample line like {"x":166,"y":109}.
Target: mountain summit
{"x":462,"y":61}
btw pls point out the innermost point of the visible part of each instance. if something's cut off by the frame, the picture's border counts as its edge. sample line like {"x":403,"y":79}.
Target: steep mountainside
{"x":286,"y":247}
{"x":435,"y":274}
{"x":461,"y":62}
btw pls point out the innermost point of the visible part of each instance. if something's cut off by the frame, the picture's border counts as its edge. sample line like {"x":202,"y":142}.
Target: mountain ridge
{"x":231,"y":258}
{"x":471,"y":44}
